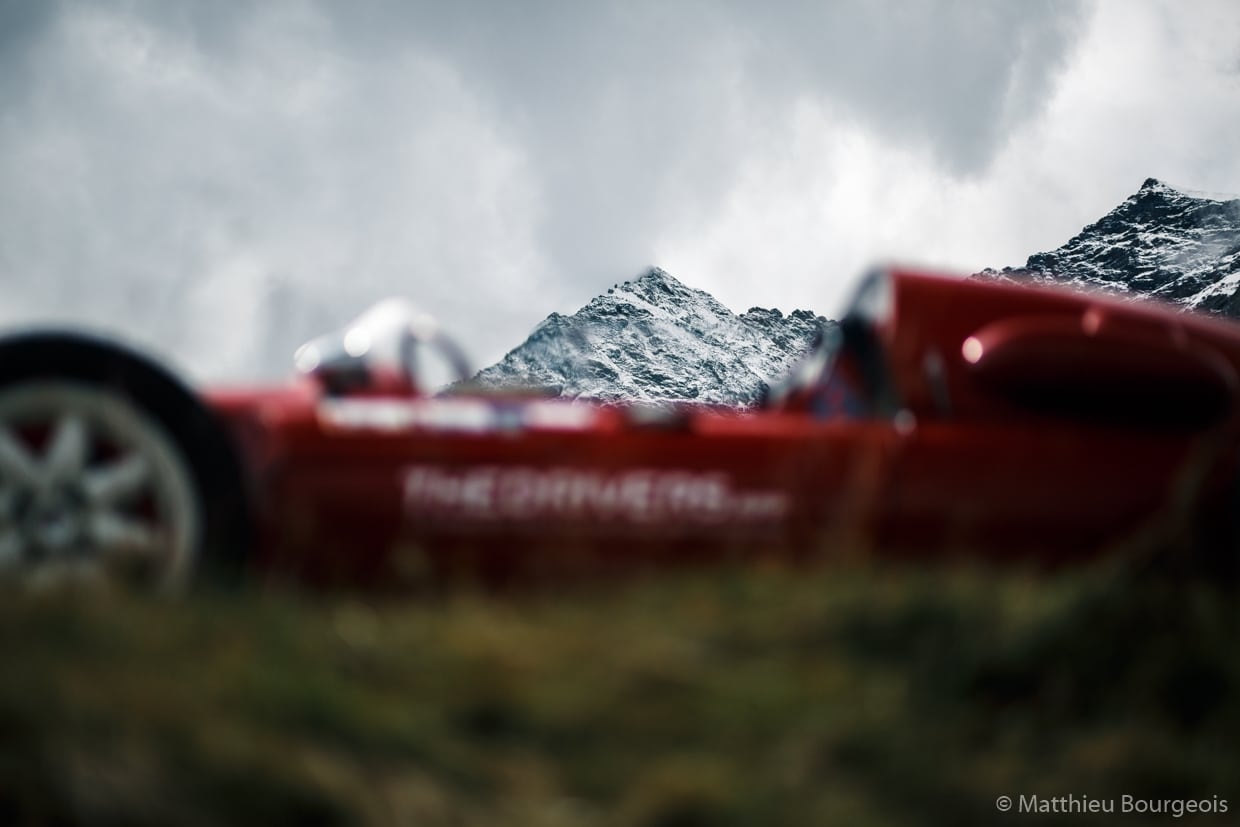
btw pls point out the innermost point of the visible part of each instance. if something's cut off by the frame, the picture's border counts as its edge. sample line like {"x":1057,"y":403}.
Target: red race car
{"x":941,"y":416}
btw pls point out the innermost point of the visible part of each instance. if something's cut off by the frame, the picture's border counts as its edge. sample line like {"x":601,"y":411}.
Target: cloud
{"x":638,"y":115}
{"x":222,"y":192}
{"x":222,"y":181}
{"x":1147,"y":90}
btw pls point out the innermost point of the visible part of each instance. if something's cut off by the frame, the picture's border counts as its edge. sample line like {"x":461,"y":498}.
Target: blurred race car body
{"x":943,"y":416}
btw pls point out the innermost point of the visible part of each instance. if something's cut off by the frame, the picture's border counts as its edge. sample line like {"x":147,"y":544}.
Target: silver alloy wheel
{"x":92,"y":490}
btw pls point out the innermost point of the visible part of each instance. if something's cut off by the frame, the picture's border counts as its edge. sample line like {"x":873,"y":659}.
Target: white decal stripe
{"x":402,"y":415}
{"x":469,"y":415}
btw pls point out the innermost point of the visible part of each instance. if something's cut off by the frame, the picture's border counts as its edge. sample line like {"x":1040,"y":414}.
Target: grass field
{"x":853,"y":696}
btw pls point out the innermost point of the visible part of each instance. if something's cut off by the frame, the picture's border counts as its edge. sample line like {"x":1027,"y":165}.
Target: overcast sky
{"x":220,"y":181}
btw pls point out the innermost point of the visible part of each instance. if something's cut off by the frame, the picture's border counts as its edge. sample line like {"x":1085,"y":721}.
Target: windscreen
{"x":393,"y":339}
{"x":845,"y":374}
{"x":377,"y":338}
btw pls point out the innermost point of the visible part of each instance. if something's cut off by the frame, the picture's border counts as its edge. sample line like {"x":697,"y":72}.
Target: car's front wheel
{"x":111,"y":472}
{"x":93,"y":490}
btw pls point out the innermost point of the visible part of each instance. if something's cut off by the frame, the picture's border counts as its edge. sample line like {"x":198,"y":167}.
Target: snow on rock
{"x":1162,"y":242}
{"x":652,"y":339}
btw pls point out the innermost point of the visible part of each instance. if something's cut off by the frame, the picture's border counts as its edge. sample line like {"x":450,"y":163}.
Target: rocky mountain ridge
{"x":1162,"y":242}
{"x":652,"y":339}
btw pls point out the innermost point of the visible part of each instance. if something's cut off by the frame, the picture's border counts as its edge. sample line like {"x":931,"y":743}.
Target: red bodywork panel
{"x":1002,"y":419}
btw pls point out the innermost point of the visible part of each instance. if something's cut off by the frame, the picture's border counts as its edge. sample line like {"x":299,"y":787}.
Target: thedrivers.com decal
{"x":630,"y":496}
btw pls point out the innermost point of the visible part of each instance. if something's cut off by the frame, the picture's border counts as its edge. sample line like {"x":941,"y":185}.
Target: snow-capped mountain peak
{"x":654,"y":339}
{"x":1161,"y":242}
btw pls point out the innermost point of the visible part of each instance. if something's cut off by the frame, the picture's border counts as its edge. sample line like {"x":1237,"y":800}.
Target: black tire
{"x":219,"y":483}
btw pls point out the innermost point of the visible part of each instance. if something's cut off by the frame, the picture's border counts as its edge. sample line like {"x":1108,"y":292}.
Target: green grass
{"x":856,"y":696}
